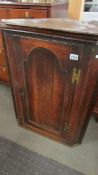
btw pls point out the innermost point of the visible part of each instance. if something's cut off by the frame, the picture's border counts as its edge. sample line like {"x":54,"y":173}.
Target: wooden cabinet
{"x":52,"y":76}
{"x":45,"y":86}
{"x":27,"y":13}
{"x":28,"y":10}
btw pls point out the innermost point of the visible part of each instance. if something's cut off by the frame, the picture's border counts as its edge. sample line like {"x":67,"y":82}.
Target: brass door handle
{"x":76,"y":76}
{"x":0,"y":50}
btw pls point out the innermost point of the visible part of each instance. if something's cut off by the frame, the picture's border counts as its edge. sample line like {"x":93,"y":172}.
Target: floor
{"x":82,"y":157}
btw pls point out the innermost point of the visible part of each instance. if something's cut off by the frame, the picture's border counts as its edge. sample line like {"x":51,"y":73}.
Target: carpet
{"x":18,"y":160}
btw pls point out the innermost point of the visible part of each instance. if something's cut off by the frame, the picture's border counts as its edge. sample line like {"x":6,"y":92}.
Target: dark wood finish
{"x":29,"y":10}
{"x":46,"y":100}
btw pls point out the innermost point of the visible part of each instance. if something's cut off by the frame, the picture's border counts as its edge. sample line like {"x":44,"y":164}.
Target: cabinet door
{"x":41,"y":74}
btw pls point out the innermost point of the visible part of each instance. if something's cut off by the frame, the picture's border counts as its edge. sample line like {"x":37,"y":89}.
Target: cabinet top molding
{"x":55,"y":24}
{"x":33,"y":2}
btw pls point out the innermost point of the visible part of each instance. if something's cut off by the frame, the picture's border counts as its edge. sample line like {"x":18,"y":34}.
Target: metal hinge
{"x":66,"y":127}
{"x":76,"y":76}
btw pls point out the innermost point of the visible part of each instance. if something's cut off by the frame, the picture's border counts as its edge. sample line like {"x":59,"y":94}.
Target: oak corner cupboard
{"x":53,"y":71}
